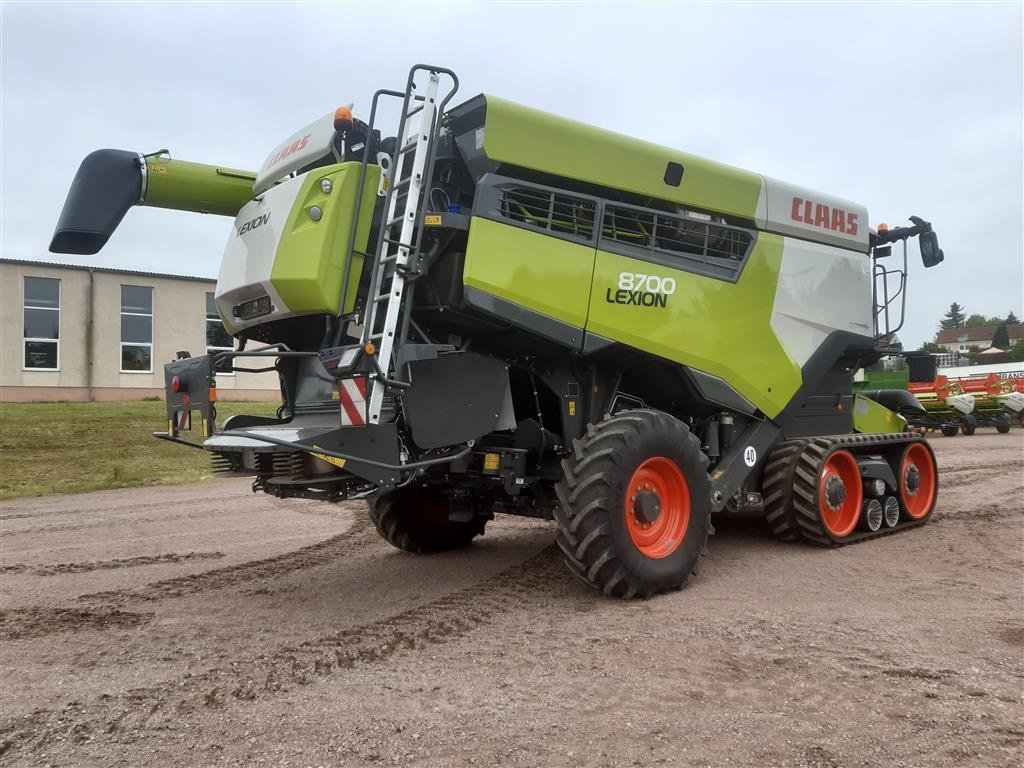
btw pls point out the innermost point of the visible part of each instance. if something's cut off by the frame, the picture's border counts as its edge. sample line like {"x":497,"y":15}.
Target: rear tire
{"x":415,"y":519}
{"x":950,"y":431}
{"x":634,"y":505}
{"x":1003,"y":424}
{"x":967,"y":425}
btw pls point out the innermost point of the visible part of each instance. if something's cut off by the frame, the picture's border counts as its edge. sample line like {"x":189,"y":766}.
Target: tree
{"x":931,"y":346}
{"x":955,"y":317}
{"x":1011,"y":319}
{"x":974,"y":354}
{"x":1017,"y":351}
{"x":976,"y":321}
{"x":1001,"y":338}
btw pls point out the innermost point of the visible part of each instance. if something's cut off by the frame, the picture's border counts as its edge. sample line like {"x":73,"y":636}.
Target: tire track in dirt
{"x":105,"y":611}
{"x":21,"y":623}
{"x":359,"y":534}
{"x":240,"y":681}
{"x":101,"y":565}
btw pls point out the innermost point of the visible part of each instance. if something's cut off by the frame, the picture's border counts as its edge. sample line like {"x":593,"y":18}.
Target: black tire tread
{"x":392,"y":515}
{"x":585,"y":499}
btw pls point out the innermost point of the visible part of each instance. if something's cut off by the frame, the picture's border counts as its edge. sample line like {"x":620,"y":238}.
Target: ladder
{"x":418,"y":129}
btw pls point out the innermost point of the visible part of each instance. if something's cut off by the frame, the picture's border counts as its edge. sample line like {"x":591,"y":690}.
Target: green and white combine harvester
{"x":497,"y":310}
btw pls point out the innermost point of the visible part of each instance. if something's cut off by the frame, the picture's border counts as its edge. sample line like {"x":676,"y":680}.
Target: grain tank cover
{"x":491,"y":132}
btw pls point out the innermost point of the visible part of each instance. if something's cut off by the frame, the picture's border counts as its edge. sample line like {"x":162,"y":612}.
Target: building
{"x":91,"y":333}
{"x":959,"y":340}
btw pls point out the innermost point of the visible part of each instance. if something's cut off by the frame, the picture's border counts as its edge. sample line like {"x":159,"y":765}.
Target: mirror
{"x":931,"y":254}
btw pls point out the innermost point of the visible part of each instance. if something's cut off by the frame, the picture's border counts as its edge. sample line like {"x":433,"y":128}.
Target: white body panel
{"x":821,"y":289}
{"x":787,"y":209}
{"x":962,"y":403}
{"x":250,"y":253}
{"x":295,"y":152}
{"x":1003,"y":370}
{"x":1014,"y":401}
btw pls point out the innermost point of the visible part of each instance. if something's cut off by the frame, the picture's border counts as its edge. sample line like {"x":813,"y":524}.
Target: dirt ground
{"x":206,"y":626}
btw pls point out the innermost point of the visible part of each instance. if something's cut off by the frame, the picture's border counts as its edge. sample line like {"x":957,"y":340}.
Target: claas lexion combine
{"x":497,"y":310}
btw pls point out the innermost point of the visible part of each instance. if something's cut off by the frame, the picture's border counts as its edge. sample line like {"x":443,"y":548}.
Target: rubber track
{"x":584,"y":492}
{"x":790,"y":487}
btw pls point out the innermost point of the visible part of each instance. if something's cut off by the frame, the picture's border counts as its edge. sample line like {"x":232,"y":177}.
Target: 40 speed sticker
{"x":641,"y":290}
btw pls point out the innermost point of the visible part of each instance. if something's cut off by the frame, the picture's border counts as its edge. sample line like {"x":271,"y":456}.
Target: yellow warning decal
{"x":206,"y":428}
{"x":170,"y":426}
{"x":572,"y":407}
{"x":329,"y":459}
{"x":492,"y":460}
{"x":433,"y":221}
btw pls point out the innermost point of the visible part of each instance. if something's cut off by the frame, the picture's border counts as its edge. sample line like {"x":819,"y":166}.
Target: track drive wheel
{"x":415,"y":519}
{"x":634,"y":506}
{"x":918,"y":480}
{"x":813,"y":491}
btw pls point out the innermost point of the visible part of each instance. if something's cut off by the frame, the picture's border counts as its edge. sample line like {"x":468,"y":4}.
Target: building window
{"x":136,"y":329}
{"x":42,"y":324}
{"x":217,"y":338}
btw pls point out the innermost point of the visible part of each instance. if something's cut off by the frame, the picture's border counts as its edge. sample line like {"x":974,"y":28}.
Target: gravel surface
{"x":204,"y":625}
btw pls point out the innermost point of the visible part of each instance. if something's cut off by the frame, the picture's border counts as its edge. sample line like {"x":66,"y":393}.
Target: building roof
{"x":107,"y":270}
{"x":985,"y":333}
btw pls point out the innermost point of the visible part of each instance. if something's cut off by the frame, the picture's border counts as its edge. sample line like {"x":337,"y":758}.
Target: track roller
{"x":872,"y":514}
{"x":891,"y":511}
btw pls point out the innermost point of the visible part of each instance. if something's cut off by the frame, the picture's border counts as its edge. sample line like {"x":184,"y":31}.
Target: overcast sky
{"x":908,"y":109}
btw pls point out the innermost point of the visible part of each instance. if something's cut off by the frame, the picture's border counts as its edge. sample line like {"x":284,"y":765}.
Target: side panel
{"x":821,"y":289}
{"x":310,"y":259}
{"x":719,"y":327}
{"x":533,"y":270}
{"x":871,"y":417}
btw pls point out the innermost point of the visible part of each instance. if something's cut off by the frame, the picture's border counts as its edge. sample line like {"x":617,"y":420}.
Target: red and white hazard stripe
{"x":352,"y":394}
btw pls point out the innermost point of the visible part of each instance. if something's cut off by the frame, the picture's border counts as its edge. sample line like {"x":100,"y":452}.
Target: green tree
{"x":976,"y":321}
{"x":1017,"y":351}
{"x":1011,"y":319}
{"x":931,"y":346}
{"x":974,"y":354}
{"x":955,"y":317}
{"x":1001,"y":338}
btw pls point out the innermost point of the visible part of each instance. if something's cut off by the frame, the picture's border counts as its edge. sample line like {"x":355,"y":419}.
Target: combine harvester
{"x":498,"y":310}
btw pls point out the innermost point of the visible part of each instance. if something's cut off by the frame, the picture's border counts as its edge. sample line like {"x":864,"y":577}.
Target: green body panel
{"x":184,"y":186}
{"x":869,"y":416}
{"x":718,"y":327}
{"x":533,"y":270}
{"x":513,"y":134}
{"x":883,"y":380}
{"x":309,"y":264}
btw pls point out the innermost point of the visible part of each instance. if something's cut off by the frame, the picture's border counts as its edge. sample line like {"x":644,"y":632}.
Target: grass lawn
{"x":70,"y":447}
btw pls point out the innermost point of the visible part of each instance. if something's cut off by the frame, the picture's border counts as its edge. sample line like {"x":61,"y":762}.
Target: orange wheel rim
{"x":657,"y":507}
{"x":840,"y":493}
{"x":918,"y":481}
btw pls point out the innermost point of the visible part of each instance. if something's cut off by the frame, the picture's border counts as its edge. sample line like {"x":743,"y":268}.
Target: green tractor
{"x":497,"y":310}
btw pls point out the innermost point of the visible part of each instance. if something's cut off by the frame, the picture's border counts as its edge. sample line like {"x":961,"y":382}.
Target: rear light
{"x":175,"y":384}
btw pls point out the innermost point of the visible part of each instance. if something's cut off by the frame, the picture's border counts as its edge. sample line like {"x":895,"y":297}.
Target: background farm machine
{"x":952,"y":404}
{"x":497,"y":310}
